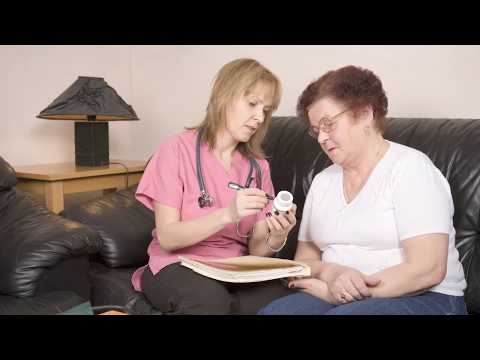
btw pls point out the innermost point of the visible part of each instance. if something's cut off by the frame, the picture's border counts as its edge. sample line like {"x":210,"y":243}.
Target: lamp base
{"x":91,"y":144}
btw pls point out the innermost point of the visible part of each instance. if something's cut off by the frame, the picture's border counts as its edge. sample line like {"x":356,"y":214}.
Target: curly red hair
{"x":353,"y":86}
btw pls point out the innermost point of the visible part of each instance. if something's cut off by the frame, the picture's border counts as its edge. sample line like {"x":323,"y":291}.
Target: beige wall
{"x":33,"y":76}
{"x":168,"y":86}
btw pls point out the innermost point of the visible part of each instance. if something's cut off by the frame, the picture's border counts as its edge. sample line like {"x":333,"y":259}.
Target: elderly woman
{"x":377,"y":226}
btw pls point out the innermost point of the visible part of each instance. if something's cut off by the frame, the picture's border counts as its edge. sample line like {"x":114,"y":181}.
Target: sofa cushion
{"x":123,"y":223}
{"x":70,"y":274}
{"x":113,"y":288}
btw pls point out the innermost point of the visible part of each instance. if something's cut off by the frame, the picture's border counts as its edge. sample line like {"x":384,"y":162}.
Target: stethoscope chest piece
{"x":205,"y":200}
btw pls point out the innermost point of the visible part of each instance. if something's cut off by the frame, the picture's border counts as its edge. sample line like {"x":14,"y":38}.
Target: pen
{"x":236,"y":186}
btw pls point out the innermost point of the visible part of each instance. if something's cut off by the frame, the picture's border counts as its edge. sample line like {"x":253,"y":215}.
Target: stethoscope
{"x":205,"y":199}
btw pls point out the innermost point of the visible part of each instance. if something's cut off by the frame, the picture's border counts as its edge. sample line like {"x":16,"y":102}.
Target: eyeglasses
{"x":325,"y":124}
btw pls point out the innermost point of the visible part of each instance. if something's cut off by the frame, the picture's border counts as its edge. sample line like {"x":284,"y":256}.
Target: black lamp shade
{"x":90,"y":102}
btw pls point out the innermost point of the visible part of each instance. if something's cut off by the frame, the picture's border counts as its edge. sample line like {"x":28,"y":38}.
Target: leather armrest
{"x":33,"y":239}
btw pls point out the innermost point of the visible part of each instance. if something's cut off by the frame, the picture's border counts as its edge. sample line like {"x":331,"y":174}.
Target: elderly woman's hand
{"x":347,"y":284}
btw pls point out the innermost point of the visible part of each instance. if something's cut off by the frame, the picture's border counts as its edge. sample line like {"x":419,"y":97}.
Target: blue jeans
{"x":428,"y":303}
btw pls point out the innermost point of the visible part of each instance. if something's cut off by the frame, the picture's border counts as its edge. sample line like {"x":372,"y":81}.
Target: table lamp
{"x":91,"y":103}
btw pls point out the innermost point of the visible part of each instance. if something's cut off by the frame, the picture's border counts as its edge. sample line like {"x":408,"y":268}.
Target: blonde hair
{"x":235,"y":78}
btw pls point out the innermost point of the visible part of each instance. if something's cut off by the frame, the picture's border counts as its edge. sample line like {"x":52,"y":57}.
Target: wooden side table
{"x":53,"y":181}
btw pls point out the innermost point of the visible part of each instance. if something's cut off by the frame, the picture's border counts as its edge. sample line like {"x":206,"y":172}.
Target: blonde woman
{"x":198,"y":215}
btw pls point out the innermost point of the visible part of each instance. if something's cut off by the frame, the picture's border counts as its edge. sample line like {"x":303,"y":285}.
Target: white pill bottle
{"x":283,"y":201}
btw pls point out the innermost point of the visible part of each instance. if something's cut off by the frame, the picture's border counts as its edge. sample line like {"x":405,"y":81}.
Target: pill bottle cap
{"x":283,"y":201}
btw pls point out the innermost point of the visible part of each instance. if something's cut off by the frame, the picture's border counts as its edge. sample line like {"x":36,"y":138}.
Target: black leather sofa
{"x":44,"y":258}
{"x":295,"y":158}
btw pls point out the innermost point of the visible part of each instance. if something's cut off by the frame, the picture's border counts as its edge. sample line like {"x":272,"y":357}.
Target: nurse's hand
{"x":278,"y":227}
{"x":280,"y":223}
{"x":246,"y":202}
{"x":314,"y":287}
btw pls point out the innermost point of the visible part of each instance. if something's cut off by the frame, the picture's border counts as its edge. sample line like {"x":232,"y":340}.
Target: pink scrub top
{"x":170,"y":179}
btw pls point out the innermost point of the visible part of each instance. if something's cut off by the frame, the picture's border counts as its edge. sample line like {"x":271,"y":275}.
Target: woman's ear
{"x":365,"y":116}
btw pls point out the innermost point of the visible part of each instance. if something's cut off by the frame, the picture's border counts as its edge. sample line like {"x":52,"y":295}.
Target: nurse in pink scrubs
{"x":198,"y":215}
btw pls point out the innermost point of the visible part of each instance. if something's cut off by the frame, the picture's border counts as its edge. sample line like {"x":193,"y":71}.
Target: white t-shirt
{"x":405,"y":196}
